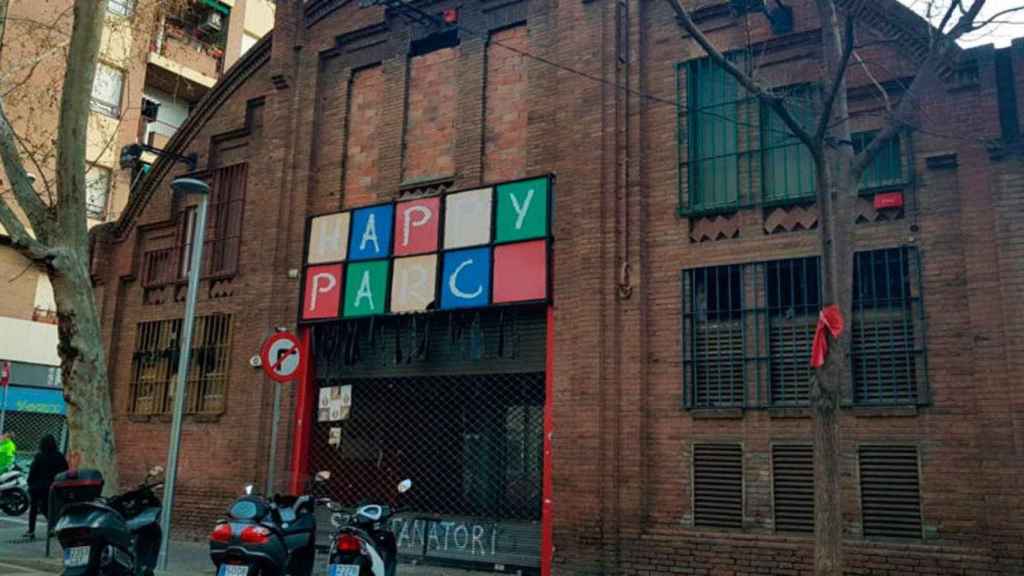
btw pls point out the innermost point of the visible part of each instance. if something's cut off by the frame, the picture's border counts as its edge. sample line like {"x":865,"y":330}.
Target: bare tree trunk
{"x":826,"y":391}
{"x":83,"y":365}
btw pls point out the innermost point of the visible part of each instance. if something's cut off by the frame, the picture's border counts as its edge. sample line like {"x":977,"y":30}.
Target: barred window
{"x":715,"y":105}
{"x":715,"y":349}
{"x":890,"y":491}
{"x":794,"y":299}
{"x":748,"y":330}
{"x":155,"y":366}
{"x":224,"y":225}
{"x":887,"y":337}
{"x":787,"y":164}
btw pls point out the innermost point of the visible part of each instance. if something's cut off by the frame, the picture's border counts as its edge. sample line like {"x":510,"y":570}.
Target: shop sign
{"x":37,"y":400}
{"x":463,"y":250}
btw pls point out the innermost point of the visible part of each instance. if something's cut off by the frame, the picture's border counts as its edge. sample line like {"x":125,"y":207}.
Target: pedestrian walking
{"x":7,"y":451}
{"x":48,"y":463}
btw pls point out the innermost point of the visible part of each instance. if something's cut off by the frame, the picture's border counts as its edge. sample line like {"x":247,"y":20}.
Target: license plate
{"x":233,"y":570}
{"x":76,"y":556}
{"x":343,"y":570}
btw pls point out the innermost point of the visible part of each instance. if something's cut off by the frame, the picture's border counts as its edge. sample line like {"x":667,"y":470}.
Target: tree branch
{"x":946,"y":17}
{"x":965,"y":23}
{"x":20,"y":236}
{"x":878,"y":85}
{"x":996,"y":16}
{"x":31,"y":204}
{"x":838,"y":80}
{"x":775,"y":102}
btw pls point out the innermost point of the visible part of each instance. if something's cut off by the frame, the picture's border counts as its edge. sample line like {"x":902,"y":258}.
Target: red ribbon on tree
{"x":829,"y":319}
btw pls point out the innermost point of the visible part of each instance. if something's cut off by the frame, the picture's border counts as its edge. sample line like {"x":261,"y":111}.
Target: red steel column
{"x":547,"y":545}
{"x":303,"y":414}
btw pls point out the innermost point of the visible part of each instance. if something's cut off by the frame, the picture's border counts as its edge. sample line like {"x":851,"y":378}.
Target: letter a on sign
{"x":366,"y":288}
{"x":371,"y":233}
{"x":323,"y":292}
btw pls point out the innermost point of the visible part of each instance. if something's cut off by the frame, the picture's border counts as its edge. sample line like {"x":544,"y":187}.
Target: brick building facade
{"x":685,"y":276}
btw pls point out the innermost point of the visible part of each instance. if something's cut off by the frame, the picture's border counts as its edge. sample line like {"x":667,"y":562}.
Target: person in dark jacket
{"x":48,"y":463}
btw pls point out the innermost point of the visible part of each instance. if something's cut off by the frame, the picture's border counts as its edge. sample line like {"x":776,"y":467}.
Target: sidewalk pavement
{"x":185,"y":559}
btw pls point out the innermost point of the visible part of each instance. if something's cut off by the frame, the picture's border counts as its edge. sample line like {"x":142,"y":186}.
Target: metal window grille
{"x":223,"y":229}
{"x":794,"y":299}
{"x":747,"y":333}
{"x":714,"y":352}
{"x":890,"y":491}
{"x":888,"y":359}
{"x":793,"y":487}
{"x":717,"y":150}
{"x":789,"y":172}
{"x":718,"y":485}
{"x":155,"y":365}
{"x":886,"y":170}
{"x":29,"y":428}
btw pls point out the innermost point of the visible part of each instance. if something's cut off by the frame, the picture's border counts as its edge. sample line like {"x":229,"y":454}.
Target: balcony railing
{"x":192,"y":46}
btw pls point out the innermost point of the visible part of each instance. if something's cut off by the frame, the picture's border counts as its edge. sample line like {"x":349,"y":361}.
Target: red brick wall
{"x":362,"y":145}
{"x":506,"y":118}
{"x":430,"y":122}
{"x":622,"y":439}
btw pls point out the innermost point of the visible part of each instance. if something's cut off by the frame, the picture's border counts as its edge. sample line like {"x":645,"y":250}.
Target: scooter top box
{"x":78,"y":485}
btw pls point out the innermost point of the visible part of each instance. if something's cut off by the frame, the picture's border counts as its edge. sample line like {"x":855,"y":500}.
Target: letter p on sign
{"x":323,"y":292}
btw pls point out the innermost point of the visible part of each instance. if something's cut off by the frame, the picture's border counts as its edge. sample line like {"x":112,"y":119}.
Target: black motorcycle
{"x":363,"y":544}
{"x":116,"y":536}
{"x":267,"y":536}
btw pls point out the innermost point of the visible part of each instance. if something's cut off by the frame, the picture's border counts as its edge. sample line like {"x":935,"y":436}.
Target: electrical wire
{"x":680,"y":109}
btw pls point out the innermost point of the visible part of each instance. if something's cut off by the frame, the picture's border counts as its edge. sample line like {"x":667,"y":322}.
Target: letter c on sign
{"x":453,"y":282}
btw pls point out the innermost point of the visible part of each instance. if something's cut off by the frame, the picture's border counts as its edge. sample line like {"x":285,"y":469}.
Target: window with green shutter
{"x":713,"y":98}
{"x":886,"y":170}
{"x":787,"y":165}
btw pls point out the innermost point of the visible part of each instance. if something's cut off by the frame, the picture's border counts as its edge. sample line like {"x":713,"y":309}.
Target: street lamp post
{"x":183,"y":186}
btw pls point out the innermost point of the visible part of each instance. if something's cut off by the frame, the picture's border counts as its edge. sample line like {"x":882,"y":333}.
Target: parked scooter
{"x":116,"y":536}
{"x":14,"y":491}
{"x":267,"y":537}
{"x":363,"y":544}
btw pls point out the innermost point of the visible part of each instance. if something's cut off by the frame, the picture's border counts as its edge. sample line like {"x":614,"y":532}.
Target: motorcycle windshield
{"x":247,"y":510}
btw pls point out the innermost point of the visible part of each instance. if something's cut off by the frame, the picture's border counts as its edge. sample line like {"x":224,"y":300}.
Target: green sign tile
{"x":522,"y":210}
{"x":366,"y":285}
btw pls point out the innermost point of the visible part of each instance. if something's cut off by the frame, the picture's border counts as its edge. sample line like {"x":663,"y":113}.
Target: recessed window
{"x":107,"y":88}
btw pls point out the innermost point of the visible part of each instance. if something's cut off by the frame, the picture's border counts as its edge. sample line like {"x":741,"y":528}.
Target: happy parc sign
{"x":461,"y":250}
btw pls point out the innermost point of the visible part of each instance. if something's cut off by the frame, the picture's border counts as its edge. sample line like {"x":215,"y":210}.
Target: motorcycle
{"x":267,"y":536}
{"x":115,"y":536}
{"x":14,"y":499}
{"x":363,"y":544}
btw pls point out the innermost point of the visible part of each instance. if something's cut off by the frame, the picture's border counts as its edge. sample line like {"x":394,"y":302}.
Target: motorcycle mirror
{"x":248,"y":489}
{"x":404,"y":486}
{"x":322,"y":476}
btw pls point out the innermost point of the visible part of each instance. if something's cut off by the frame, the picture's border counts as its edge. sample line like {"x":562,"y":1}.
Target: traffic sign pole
{"x":5,"y":381}
{"x":282,"y":359}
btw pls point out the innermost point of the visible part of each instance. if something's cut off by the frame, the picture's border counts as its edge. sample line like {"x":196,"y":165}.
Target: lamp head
{"x":186,"y":185}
